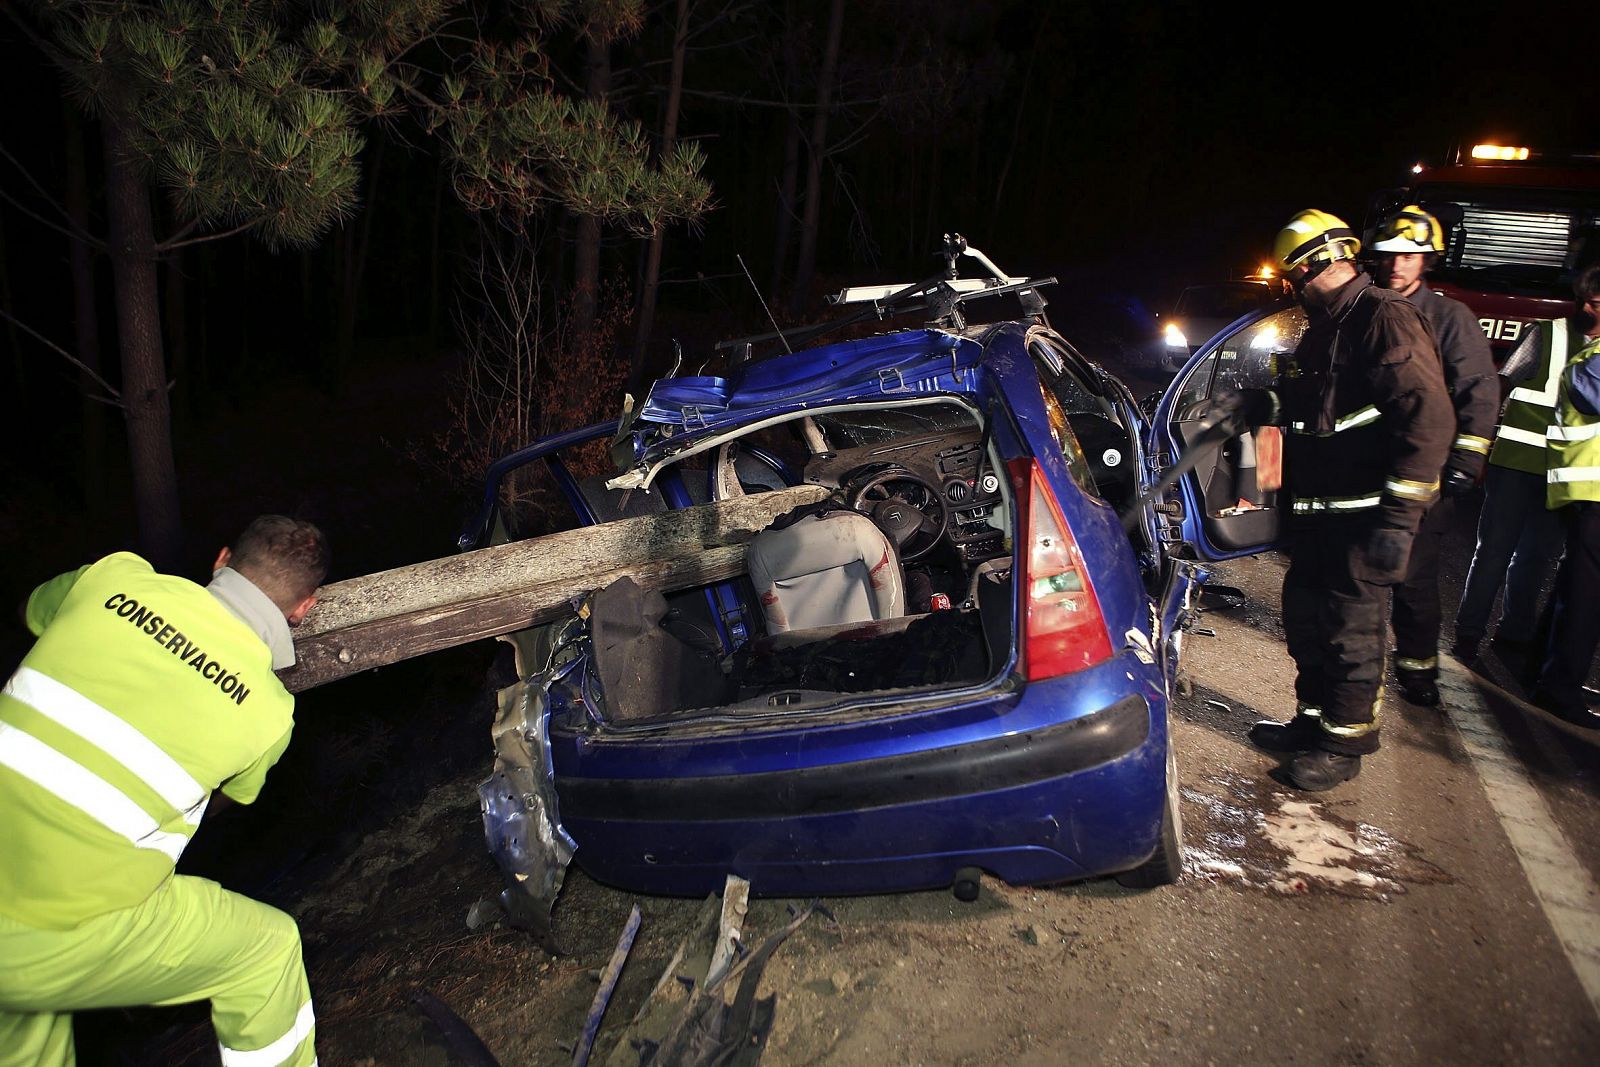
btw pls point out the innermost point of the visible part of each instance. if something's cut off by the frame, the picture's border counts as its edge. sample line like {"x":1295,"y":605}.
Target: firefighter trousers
{"x":1335,"y":622}
{"x":1417,"y":615}
{"x":190,"y":940}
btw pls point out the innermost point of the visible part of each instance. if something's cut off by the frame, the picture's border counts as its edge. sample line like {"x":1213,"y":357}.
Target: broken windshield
{"x":854,"y":428}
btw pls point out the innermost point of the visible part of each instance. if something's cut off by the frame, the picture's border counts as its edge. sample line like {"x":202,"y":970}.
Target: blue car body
{"x":1032,"y":779}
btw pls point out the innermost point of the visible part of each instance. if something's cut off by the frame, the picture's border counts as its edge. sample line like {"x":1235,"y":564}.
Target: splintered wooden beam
{"x":382,"y":618}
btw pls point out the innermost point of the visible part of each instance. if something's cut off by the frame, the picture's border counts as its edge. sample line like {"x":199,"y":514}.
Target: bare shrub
{"x":526,"y":371}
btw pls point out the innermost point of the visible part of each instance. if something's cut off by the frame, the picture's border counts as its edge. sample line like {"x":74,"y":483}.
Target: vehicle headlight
{"x":1174,"y":336}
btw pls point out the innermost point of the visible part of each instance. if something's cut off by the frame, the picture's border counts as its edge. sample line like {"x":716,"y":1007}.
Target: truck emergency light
{"x":1494,"y":151}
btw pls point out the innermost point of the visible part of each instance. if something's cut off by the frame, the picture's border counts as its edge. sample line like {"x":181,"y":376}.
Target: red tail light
{"x":1063,"y":630}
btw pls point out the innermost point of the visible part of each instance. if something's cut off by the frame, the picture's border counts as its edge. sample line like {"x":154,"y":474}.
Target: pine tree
{"x":247,"y":115}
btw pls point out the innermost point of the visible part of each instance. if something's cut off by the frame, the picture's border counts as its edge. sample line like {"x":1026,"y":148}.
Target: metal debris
{"x":461,"y":1038}
{"x":688,"y":1021}
{"x":608,"y":984}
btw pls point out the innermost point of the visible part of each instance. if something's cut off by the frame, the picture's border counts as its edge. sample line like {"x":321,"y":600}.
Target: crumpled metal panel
{"x":521,"y":814}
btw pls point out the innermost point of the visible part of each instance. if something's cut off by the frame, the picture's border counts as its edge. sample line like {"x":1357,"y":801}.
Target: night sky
{"x":1127,"y":148}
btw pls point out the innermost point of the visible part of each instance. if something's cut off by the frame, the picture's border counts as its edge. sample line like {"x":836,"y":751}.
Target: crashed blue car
{"x":950,"y":640}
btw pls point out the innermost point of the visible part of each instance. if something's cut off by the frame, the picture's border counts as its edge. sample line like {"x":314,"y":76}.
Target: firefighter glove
{"x":1385,"y":554}
{"x":1458,"y":483}
{"x":1233,"y":411}
{"x":1460,"y":475}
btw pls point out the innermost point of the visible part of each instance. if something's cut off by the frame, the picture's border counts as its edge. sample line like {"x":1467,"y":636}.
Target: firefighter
{"x":1408,"y":243}
{"x":1573,"y":492}
{"x":1369,"y":424}
{"x":143,"y":694}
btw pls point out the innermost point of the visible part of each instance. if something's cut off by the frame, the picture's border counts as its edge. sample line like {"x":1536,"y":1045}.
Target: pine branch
{"x":87,"y":238}
{"x":173,"y":245}
{"x":112,"y":396}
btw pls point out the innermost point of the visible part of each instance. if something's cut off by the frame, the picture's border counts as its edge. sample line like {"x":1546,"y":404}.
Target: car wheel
{"x":1166,"y":866}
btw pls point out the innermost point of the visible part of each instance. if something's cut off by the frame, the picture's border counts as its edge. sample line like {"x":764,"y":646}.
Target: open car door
{"x":1228,"y":504}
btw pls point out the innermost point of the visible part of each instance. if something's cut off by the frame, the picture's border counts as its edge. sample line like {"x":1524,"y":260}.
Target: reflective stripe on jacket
{"x":1468,"y":373}
{"x":1369,"y":419}
{"x":142,"y":694}
{"x":1519,"y":443}
{"x":1573,"y":450}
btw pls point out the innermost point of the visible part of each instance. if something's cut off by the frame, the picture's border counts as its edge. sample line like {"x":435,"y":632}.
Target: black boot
{"x":1321,"y":770}
{"x":1299,"y":734}
{"x":1465,"y":647}
{"x":1419,"y":688}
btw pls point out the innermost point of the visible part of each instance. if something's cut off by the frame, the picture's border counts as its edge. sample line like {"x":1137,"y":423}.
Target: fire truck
{"x":1518,"y":227}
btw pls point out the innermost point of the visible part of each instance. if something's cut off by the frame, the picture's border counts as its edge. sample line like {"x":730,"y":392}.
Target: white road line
{"x":1564,"y":888}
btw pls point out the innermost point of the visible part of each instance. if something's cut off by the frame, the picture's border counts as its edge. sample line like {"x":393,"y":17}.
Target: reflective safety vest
{"x":1573,"y":453}
{"x":142,"y":694}
{"x":1531,"y":408}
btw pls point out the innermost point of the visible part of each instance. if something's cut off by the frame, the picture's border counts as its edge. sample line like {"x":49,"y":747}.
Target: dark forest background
{"x":1129,"y":149}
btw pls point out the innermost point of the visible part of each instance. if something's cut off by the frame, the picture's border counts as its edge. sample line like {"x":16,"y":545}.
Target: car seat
{"x":824,"y":570}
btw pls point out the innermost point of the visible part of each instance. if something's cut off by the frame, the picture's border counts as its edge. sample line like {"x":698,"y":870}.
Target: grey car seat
{"x":823,"y":570}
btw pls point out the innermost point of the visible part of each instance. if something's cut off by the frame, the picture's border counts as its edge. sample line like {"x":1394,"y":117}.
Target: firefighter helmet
{"x":1314,"y":239}
{"x":1410,"y":229}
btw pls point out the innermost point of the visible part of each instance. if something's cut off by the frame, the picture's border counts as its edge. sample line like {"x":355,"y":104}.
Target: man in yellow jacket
{"x":143,"y":694}
{"x":1572,"y":480}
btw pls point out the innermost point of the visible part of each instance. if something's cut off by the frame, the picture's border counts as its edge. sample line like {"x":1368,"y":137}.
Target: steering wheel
{"x":907,"y":508}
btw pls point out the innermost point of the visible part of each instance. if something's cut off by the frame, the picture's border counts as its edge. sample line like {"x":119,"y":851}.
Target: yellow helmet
{"x":1316,"y":239}
{"x":1410,"y":229}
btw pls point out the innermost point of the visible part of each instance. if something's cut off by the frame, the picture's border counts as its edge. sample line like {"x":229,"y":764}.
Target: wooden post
{"x":393,"y":615}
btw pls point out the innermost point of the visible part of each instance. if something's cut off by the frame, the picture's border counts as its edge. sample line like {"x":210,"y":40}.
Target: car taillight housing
{"x":1062,"y":630}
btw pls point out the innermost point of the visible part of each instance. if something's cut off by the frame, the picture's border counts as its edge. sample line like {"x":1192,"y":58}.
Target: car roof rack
{"x":943,"y":294}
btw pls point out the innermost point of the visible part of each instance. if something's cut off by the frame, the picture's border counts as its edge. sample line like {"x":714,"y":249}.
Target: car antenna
{"x":764,"y":307}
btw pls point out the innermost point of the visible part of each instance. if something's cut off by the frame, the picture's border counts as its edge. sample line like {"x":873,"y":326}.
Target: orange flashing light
{"x":1498,"y":152}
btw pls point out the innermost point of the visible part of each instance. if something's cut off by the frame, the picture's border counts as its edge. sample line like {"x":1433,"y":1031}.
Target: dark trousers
{"x":1575,"y":625}
{"x":1518,"y":540}
{"x":1335,"y":621}
{"x":1416,"y":600}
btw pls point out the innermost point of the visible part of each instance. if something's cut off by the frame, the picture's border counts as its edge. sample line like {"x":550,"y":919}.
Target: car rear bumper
{"x":1064,"y":800}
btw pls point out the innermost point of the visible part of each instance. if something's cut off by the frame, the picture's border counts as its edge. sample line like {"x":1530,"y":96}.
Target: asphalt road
{"x":1440,"y":908}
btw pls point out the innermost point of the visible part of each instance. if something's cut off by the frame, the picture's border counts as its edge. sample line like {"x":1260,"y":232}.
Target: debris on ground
{"x":462,"y":1040}
{"x":688,"y":1020}
{"x":608,"y":984}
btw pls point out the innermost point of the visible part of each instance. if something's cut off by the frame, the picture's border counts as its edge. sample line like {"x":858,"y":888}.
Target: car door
{"x":1221,"y":508}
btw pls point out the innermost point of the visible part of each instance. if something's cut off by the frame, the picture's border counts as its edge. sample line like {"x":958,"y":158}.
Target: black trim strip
{"x":960,"y":770}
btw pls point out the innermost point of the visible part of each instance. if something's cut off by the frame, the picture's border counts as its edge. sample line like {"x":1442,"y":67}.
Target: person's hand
{"x":1385,"y":554}
{"x":1457,"y":483}
{"x":1233,"y":411}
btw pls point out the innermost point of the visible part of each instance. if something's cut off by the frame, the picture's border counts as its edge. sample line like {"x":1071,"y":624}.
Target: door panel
{"x":1224,"y":509}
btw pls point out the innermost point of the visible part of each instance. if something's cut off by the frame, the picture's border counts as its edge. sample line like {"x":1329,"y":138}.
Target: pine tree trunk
{"x":185,"y":400}
{"x":586,"y":252}
{"x":85,"y":316}
{"x":354,"y":241}
{"x":807,"y":263}
{"x":669,"y":144}
{"x":144,"y":381}
{"x":783,"y":233}
{"x":435,"y":262}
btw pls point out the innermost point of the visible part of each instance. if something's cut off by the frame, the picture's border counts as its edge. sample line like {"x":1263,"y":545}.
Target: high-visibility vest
{"x":1531,"y":407}
{"x":1573,"y":453}
{"x":142,"y":694}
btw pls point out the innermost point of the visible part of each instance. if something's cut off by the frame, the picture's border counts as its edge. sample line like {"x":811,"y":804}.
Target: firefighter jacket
{"x":1573,"y":453}
{"x":1368,"y":417}
{"x":142,"y":694}
{"x":1536,"y":363}
{"x":1468,"y":373}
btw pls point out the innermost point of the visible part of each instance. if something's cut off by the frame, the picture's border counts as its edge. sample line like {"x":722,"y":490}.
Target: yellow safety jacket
{"x":142,"y":694}
{"x":1573,"y":450}
{"x":1519,"y":442}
